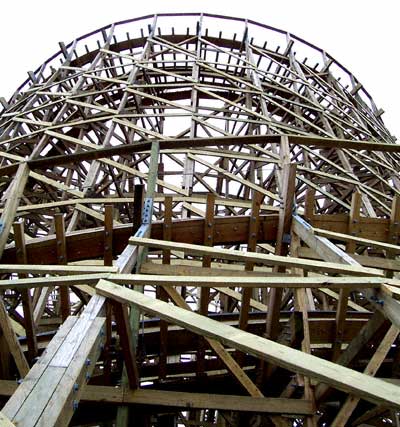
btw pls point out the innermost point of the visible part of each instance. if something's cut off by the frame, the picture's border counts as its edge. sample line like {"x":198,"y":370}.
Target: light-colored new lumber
{"x":266,"y":259}
{"x":345,"y":379}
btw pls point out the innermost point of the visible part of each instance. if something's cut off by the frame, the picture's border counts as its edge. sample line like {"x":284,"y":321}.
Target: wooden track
{"x":222,"y":166}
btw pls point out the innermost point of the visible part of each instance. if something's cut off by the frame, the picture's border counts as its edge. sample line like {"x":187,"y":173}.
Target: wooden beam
{"x":104,"y":152}
{"x":62,"y":258}
{"x":352,"y":282}
{"x":373,"y":365}
{"x":220,"y":351}
{"x":5,"y":422}
{"x":108,"y":234}
{"x":249,"y":266}
{"x":345,"y":379}
{"x":12,"y":342}
{"x":355,"y":346}
{"x":288,"y":186}
{"x":29,"y":323}
{"x":174,"y":399}
{"x":265,"y":259}
{"x":128,"y":349}
{"x":55,"y":382}
{"x":15,"y":192}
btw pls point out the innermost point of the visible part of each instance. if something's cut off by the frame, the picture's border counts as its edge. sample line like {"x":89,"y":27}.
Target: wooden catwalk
{"x":200,"y":222}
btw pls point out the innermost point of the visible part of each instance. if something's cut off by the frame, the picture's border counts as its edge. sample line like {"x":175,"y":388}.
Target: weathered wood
{"x":5,"y":422}
{"x":12,"y":342}
{"x":339,"y":377}
{"x":128,"y":349}
{"x":371,"y":369}
{"x":355,"y":346}
{"x":183,"y":399}
{"x":15,"y":192}
{"x":108,"y":235}
{"x":57,"y":378}
{"x":62,"y":258}
{"x":265,"y":259}
{"x":251,"y":247}
{"x":29,"y":323}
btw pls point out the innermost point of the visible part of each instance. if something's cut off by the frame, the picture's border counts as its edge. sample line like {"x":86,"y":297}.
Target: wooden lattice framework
{"x":199,"y":225}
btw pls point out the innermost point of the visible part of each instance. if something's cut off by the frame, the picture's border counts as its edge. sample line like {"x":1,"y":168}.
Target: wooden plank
{"x":93,"y":393}
{"x":166,"y":260}
{"x":15,"y":192}
{"x":108,"y":235}
{"x":62,"y":258}
{"x":322,"y":246}
{"x":249,"y":266}
{"x":354,"y":347}
{"x":5,"y":422}
{"x":345,"y":293}
{"x":25,"y":389}
{"x":30,"y":328}
{"x":288,"y":186}
{"x":12,"y":342}
{"x":356,"y":240}
{"x":53,"y":393}
{"x":265,"y":259}
{"x":128,"y":348}
{"x":100,"y":153}
{"x":345,"y":379}
{"x":220,"y":351}
{"x":55,"y":269}
{"x":352,"y":282}
{"x":372,"y":367}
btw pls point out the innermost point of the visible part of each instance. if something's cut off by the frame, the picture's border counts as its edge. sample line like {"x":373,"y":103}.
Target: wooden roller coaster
{"x":200,"y":221}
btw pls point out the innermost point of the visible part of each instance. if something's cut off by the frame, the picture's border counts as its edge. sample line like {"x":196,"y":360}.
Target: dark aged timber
{"x":200,"y":222}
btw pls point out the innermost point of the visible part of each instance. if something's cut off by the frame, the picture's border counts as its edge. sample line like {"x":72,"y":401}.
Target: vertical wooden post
{"x":254,"y":222}
{"x":21,"y":257}
{"x":394,"y":229}
{"x":12,"y":342}
{"x":208,"y":240}
{"x":309,"y":205}
{"x":62,"y":259}
{"x":15,"y":192}
{"x":353,"y":227}
{"x":282,"y":245}
{"x":108,"y":235}
{"x":354,"y":220}
{"x":167,"y":235}
{"x":108,"y":260}
{"x":137,"y":207}
{"x":167,"y":227}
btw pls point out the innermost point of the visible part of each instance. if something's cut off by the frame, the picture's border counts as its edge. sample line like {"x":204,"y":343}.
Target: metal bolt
{"x":75,"y":404}
{"x":76,"y":387}
{"x":88,"y":361}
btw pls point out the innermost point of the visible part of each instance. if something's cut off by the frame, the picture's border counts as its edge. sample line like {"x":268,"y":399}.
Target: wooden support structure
{"x":377,"y":391}
{"x":227,"y":175}
{"x":29,"y":323}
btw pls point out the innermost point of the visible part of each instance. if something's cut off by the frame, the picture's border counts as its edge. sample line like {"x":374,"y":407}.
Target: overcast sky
{"x":362,"y":35}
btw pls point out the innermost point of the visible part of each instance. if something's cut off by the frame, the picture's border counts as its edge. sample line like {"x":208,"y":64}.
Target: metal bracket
{"x":147,"y":210}
{"x":287,"y":238}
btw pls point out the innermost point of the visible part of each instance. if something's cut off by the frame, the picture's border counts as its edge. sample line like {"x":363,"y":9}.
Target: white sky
{"x":362,"y":35}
